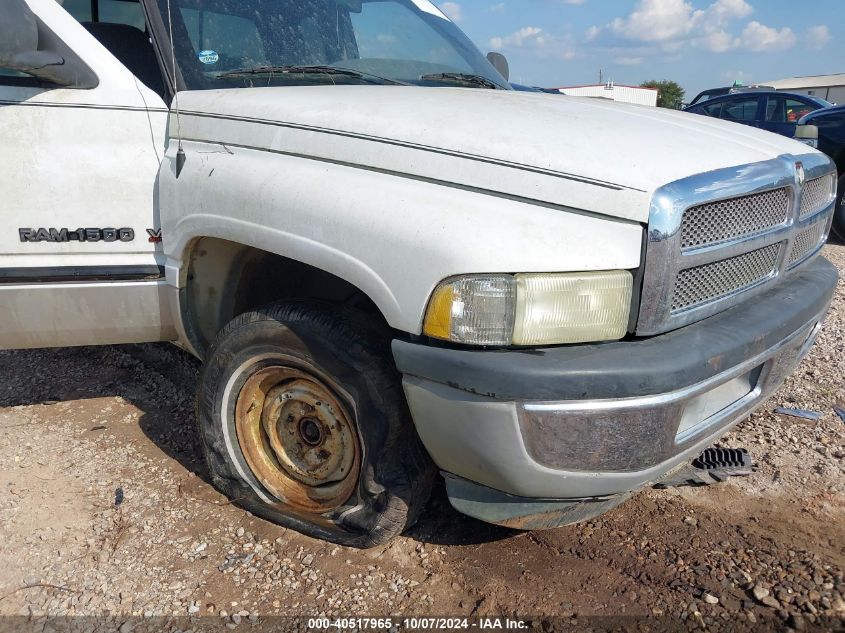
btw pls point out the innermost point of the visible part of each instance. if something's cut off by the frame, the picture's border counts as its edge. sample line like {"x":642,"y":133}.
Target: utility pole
{"x":601,"y":76}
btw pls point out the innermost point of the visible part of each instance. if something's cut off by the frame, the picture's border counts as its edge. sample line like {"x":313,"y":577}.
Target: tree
{"x":669,"y":93}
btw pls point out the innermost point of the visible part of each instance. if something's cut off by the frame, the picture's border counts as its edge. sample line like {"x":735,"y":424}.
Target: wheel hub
{"x":297,"y":438}
{"x":310,"y":432}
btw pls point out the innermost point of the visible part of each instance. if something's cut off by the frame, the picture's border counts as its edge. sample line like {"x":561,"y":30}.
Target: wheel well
{"x":226,"y":279}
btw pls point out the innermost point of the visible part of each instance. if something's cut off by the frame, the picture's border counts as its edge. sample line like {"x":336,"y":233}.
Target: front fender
{"x":393,"y":237}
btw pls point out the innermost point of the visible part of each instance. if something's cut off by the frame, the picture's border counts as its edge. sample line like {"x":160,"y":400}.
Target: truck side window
{"x":15,"y":78}
{"x":74,"y":72}
{"x":110,"y":11}
{"x":122,"y":12}
{"x":120,"y":26}
{"x":80,"y":9}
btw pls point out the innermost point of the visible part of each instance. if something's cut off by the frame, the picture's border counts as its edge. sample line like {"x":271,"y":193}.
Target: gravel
{"x":106,"y":510}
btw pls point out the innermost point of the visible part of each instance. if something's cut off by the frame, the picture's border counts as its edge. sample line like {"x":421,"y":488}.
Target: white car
{"x":391,"y":263}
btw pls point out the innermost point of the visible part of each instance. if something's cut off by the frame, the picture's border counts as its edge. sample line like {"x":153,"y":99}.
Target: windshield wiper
{"x":464,"y":78}
{"x":308,"y":70}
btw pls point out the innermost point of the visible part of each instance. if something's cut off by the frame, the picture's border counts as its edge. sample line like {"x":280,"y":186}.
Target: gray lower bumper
{"x":625,"y":413}
{"x":522,"y":513}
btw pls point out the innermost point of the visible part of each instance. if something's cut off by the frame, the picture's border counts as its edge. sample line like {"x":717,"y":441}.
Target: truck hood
{"x":588,"y":154}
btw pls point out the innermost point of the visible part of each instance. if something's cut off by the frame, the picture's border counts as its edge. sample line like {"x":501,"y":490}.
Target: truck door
{"x":832,"y":137}
{"x":783,"y":114}
{"x":80,"y":243}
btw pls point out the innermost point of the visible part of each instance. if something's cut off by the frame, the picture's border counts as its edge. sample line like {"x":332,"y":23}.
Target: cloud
{"x":655,"y":21}
{"x":717,"y":42}
{"x":723,"y":11}
{"x":671,"y":25}
{"x":817,"y":37}
{"x":534,"y":38}
{"x":498,"y":7}
{"x":519,"y":38}
{"x":453,"y":10}
{"x":628,"y":61}
{"x":759,"y":38}
{"x":664,"y":20}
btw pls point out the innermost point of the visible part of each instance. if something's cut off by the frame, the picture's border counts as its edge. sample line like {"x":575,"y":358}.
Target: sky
{"x":698,"y":43}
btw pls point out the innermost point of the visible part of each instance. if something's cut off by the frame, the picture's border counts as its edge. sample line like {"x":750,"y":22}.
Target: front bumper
{"x":595,"y":422}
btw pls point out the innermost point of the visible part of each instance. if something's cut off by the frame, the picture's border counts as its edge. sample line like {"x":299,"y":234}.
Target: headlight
{"x":549,"y":309}
{"x":476,"y":310}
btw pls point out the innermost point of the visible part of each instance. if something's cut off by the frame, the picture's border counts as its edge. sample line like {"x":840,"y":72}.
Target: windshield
{"x":245,"y":43}
{"x":821,"y":102}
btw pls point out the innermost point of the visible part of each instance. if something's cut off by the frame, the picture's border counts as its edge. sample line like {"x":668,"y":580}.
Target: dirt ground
{"x":106,"y":509}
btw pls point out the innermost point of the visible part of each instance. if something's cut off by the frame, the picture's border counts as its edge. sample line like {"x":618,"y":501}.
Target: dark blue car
{"x":831,"y":126}
{"x":774,"y":111}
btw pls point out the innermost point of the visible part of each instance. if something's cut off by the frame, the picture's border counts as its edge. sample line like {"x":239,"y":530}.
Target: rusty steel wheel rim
{"x":298,"y":439}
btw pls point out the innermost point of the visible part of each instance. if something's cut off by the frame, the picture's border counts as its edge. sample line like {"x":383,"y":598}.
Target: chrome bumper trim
{"x":653,"y":429}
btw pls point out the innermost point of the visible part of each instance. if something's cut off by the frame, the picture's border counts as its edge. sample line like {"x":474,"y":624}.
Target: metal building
{"x":614,"y":92}
{"x":830,"y":87}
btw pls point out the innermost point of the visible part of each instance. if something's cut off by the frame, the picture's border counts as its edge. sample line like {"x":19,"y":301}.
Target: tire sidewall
{"x":258,"y":340}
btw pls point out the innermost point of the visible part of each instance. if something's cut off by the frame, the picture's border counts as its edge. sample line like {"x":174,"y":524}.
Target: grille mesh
{"x":816,"y":195}
{"x":735,"y":218}
{"x":712,"y":281}
{"x":806,"y":242}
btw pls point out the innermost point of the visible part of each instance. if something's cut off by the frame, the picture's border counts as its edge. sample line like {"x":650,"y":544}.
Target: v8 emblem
{"x":155,"y":236}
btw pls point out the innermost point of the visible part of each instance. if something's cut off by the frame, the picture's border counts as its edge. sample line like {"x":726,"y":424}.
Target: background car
{"x":524,"y":88}
{"x":830,"y":123}
{"x":770,"y":110}
{"x":707,"y":95}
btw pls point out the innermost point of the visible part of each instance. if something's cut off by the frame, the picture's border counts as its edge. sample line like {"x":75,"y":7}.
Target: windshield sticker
{"x":209,"y":57}
{"x":425,"y":5}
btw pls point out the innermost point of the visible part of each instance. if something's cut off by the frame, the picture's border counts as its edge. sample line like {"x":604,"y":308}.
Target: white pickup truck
{"x":390,"y":262}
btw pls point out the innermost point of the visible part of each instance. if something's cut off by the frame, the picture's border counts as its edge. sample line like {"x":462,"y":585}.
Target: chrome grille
{"x":806,"y":242}
{"x":716,"y":222}
{"x":721,"y":237}
{"x":817,"y":195}
{"x":707,"y":283}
